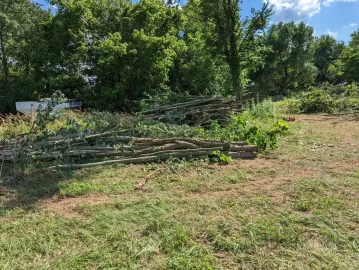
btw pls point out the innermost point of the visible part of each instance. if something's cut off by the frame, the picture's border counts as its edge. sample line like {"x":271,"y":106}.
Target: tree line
{"x":112,"y":53}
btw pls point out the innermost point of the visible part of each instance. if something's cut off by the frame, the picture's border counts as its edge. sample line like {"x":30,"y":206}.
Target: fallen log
{"x":242,"y":155}
{"x":148,"y":159}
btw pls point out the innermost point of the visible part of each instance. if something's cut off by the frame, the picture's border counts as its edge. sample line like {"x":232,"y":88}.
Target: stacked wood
{"x":91,"y":150}
{"x":200,"y":111}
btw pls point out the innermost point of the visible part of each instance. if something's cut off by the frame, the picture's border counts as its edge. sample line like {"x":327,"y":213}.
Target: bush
{"x":289,"y":105}
{"x":317,"y":101}
{"x":264,"y":109}
{"x":348,"y":104}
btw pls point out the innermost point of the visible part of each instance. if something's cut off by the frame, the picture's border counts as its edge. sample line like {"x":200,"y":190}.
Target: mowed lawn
{"x":294,"y":208}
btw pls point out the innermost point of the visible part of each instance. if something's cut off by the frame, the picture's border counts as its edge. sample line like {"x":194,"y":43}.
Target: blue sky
{"x":338,"y":18}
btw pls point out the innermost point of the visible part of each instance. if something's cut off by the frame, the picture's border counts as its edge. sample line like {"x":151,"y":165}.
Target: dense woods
{"x":112,"y":53}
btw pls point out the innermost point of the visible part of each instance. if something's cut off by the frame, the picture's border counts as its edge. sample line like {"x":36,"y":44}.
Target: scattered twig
{"x":175,"y":171}
{"x":200,"y":111}
{"x":142,"y":184}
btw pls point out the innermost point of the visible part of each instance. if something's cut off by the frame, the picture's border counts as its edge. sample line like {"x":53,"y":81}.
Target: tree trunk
{"x":4,"y":59}
{"x":235,"y":75}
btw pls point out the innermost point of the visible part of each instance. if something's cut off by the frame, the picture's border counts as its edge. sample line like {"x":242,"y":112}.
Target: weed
{"x":175,"y":239}
{"x":196,"y":258}
{"x":219,"y":157}
{"x":264,"y":109}
{"x":317,"y":101}
{"x":77,"y":188}
{"x":281,"y":230}
{"x":240,"y":176}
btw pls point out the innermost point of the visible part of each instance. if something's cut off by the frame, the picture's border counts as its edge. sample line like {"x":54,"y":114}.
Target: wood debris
{"x":200,"y":111}
{"x":113,"y":148}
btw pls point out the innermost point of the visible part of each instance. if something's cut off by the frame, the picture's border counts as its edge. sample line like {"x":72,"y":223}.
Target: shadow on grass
{"x":22,"y":189}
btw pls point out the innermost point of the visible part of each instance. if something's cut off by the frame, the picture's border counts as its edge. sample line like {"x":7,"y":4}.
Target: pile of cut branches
{"x":200,"y":111}
{"x":113,"y":147}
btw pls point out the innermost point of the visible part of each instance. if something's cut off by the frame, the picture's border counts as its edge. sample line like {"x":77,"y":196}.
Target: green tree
{"x":197,"y":70}
{"x":239,"y":41}
{"x":327,"y":51}
{"x":351,"y":58}
{"x":289,"y":64}
{"x":20,"y":31}
{"x":141,"y":68}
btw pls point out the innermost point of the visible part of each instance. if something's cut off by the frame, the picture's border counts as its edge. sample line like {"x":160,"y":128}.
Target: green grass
{"x":293,"y":208}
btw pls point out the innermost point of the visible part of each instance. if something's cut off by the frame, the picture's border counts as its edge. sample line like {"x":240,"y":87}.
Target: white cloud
{"x":296,"y":10}
{"x":350,"y":25}
{"x":328,"y":2}
{"x":332,"y":34}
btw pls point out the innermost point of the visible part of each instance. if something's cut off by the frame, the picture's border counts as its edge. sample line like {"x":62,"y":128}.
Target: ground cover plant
{"x":293,"y":208}
{"x":324,"y":99}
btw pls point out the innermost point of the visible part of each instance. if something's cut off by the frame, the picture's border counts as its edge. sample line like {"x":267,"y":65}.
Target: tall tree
{"x":19,"y":35}
{"x":327,"y":51}
{"x":289,"y":64}
{"x":351,"y":59}
{"x":197,"y":69}
{"x":237,"y":40}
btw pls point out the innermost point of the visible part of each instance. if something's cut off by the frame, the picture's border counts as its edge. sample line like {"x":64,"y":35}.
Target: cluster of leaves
{"x":262,"y":132}
{"x":112,"y":53}
{"x":264,"y":109}
{"x":326,"y":99}
{"x":219,"y":157}
{"x":316,"y":101}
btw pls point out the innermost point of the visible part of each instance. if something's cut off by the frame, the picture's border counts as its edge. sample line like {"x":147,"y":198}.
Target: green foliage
{"x":327,"y":52}
{"x":289,"y":64}
{"x":20,"y":45}
{"x":113,"y":53}
{"x":219,"y":157}
{"x":289,"y":105}
{"x":264,"y":133}
{"x":244,"y":128}
{"x":264,"y":109}
{"x":280,"y":230}
{"x":77,"y":189}
{"x":324,"y":99}
{"x":237,"y":41}
{"x":351,"y":59}
{"x":196,"y":258}
{"x":317,"y":101}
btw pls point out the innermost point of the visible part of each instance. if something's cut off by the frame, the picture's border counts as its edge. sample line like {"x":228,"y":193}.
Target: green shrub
{"x":317,"y":101}
{"x":244,"y":128}
{"x":264,"y":134}
{"x":289,"y":105}
{"x":219,"y":157}
{"x":348,"y":104}
{"x":264,"y":109}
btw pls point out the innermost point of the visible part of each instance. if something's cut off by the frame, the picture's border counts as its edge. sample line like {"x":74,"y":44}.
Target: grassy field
{"x":294,"y":208}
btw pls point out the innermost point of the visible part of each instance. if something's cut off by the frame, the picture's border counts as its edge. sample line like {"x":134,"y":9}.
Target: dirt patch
{"x":265,"y":187}
{"x":345,"y":165}
{"x":68,"y":207}
{"x":246,"y":164}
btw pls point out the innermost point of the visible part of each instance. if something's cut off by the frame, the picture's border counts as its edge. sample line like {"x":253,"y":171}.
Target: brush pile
{"x":113,"y":147}
{"x":200,"y":111}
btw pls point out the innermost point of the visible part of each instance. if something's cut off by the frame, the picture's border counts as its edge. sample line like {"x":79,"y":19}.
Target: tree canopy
{"x":113,"y":53}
